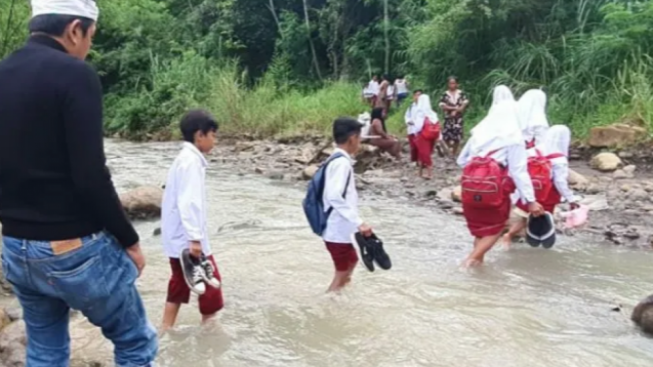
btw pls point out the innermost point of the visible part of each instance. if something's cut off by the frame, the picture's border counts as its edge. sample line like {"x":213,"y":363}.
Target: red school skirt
{"x":421,"y":150}
{"x":549,"y":204}
{"x":487,"y":221}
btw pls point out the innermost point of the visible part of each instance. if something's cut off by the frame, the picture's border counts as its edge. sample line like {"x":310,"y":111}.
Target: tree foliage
{"x":159,"y":57}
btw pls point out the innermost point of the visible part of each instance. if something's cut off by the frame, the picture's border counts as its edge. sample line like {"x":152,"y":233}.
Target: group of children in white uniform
{"x":496,"y":175}
{"x":498,"y":168}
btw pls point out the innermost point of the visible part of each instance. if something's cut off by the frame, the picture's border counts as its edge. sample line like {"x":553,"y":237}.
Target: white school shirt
{"x":414,"y":119}
{"x":560,"y":171}
{"x":183,"y":212}
{"x":344,"y":219}
{"x":401,"y":86}
{"x":515,"y":158}
{"x":390,"y":92}
{"x":374,"y":88}
{"x":536,"y":133}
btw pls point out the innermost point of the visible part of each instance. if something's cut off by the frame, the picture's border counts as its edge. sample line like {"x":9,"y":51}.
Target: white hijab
{"x":424,"y":109}
{"x":557,"y":140}
{"x":499,"y":129}
{"x":532,"y":112}
{"x":82,"y":8}
{"x":502,"y":93}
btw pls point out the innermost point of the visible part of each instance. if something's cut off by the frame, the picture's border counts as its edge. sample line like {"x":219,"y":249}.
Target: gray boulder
{"x":143,"y":202}
{"x":642,"y":315}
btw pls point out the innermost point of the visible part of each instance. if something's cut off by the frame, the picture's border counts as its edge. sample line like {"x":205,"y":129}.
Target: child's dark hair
{"x":344,"y":127}
{"x":194,"y":121}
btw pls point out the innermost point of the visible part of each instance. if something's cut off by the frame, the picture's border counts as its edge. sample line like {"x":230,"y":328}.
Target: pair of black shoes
{"x":198,"y":272}
{"x":370,"y":251}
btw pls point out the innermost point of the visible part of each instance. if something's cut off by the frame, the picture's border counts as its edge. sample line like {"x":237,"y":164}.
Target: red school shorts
{"x":178,"y":292}
{"x":343,"y":255}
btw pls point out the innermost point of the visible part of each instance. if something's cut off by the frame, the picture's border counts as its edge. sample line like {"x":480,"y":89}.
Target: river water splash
{"x":525,"y":308}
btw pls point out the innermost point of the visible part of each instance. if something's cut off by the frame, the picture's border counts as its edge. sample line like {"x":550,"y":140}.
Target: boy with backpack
{"x":494,"y":161}
{"x":331,"y":204}
{"x":184,"y":223}
{"x":549,"y":170}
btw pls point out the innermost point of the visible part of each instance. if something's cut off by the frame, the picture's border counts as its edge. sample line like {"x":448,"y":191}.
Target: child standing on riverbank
{"x":184,"y":222}
{"x":341,"y":199}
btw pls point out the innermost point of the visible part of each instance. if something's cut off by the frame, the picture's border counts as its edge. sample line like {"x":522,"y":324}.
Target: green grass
{"x":274,"y":108}
{"x":265,"y":111}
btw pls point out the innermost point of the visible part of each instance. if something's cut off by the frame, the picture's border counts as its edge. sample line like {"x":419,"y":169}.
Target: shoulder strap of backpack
{"x":491,"y":152}
{"x":344,"y":193}
{"x":555,"y":155}
{"x":324,"y":167}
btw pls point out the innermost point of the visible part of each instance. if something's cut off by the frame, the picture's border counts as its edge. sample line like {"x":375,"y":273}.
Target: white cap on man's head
{"x":82,"y":8}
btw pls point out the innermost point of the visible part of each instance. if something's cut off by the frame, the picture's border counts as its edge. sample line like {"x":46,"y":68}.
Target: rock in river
{"x":456,"y":194}
{"x":309,"y":172}
{"x":615,"y":135}
{"x":577,"y":181}
{"x":13,"y":339}
{"x":143,"y":202}
{"x":620,"y":174}
{"x":605,"y":162}
{"x":643,"y":315}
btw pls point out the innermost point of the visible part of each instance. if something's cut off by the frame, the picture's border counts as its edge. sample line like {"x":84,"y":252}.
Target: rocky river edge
{"x":618,"y":187}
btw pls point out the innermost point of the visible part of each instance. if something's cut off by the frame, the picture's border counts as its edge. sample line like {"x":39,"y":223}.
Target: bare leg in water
{"x":512,"y":232}
{"x":169,"y":316}
{"x":481,"y":246}
{"x":341,"y":279}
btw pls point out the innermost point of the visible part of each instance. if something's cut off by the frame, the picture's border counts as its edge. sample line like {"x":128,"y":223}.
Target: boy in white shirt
{"x":340,"y":195}
{"x":184,"y":222}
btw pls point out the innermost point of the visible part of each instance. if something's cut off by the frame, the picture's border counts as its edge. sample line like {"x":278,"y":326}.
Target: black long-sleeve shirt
{"x":54,"y":184}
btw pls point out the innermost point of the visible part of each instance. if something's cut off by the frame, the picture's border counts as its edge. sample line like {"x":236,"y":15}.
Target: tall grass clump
{"x":263,"y":110}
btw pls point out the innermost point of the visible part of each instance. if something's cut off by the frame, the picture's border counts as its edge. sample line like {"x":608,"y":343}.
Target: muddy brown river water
{"x":525,"y":308}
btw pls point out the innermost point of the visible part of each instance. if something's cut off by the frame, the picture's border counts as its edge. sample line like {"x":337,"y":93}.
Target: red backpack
{"x":431,"y":130}
{"x":485,"y":183}
{"x":539,"y":169}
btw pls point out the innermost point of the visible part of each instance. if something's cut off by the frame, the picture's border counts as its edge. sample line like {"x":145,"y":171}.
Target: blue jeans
{"x":97,"y":279}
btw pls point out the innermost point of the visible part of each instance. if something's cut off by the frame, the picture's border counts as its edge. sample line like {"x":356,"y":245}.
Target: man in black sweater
{"x":67,"y":242}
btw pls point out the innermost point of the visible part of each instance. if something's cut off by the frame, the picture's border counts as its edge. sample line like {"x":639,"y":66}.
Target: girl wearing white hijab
{"x":556,"y":147}
{"x":532,"y":117}
{"x":497,"y":136}
{"x":500,"y":94}
{"x":421,"y":149}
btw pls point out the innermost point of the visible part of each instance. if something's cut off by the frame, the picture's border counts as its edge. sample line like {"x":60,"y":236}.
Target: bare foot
{"x":472,"y":263}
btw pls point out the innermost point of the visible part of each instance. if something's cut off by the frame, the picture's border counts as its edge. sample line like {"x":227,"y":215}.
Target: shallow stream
{"x":525,"y":308}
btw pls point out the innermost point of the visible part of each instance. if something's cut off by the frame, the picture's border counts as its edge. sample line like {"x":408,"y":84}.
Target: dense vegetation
{"x":280,"y":66}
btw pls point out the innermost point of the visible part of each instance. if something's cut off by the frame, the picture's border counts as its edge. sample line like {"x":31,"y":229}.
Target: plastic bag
{"x":576,"y":217}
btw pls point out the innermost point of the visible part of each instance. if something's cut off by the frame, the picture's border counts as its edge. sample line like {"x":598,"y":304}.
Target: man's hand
{"x":137,"y":257}
{"x":574,"y":206}
{"x":365,"y":230}
{"x":195,"y":249}
{"x":536,"y":209}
